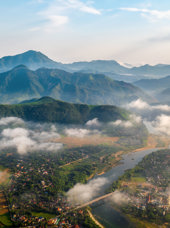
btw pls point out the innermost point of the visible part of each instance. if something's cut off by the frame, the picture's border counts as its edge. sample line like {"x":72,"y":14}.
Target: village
{"x":35,"y":190}
{"x":146,"y":188}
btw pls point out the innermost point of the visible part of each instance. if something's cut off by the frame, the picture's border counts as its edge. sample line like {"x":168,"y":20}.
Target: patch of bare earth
{"x":155,"y":141}
{"x":85,"y":141}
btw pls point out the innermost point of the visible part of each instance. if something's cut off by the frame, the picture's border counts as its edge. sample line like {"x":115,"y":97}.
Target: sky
{"x":128,"y":31}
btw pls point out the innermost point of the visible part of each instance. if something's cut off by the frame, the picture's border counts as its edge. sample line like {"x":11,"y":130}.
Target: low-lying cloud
{"x":142,"y":105}
{"x":80,"y":132}
{"x":119,"y":198}
{"x":126,"y":124}
{"x":161,"y":125}
{"x":93,"y":123}
{"x":155,"y":117}
{"x":27,"y":136}
{"x":10,"y":120}
{"x":133,"y":120}
{"x":83,"y":193}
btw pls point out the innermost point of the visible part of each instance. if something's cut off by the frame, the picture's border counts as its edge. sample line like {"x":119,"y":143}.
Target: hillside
{"x":159,"y":87}
{"x":47,"y":109}
{"x":164,"y":96}
{"x":98,"y":66}
{"x":154,"y":84}
{"x":22,"y":83}
{"x":156,"y":71}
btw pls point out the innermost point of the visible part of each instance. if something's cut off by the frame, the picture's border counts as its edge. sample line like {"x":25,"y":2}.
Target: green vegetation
{"x":39,"y":180}
{"x":49,"y":110}
{"x":22,"y":83}
{"x":5,"y":220}
{"x":45,"y":215}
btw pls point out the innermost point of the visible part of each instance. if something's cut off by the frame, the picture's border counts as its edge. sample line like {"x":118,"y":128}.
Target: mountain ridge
{"x":22,"y":83}
{"x":34,"y":60}
{"x":47,"y":109}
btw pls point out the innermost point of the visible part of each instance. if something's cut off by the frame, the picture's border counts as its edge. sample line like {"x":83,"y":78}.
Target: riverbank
{"x":155,"y":141}
{"x":105,"y":213}
{"x":95,"y":220}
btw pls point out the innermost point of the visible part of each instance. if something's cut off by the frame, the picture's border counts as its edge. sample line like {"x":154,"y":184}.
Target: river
{"x":104,"y":211}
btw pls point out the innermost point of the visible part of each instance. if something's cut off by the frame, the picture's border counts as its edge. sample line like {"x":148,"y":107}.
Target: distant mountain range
{"x":111,"y":68}
{"x":154,"y":84}
{"x":22,"y":83}
{"x":47,"y":109}
{"x":160,"y":88}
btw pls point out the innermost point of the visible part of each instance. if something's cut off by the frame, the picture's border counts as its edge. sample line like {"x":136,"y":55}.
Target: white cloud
{"x":119,"y":198}
{"x":142,"y":105}
{"x":32,"y":137}
{"x":162,"y":124}
{"x":134,"y":119}
{"x":81,"y":6}
{"x":56,"y":21}
{"x":58,"y":12}
{"x":94,"y":123}
{"x":18,"y":138}
{"x":138,"y":104}
{"x":79,"y":132}
{"x":82,"y":193}
{"x":149,"y":13}
{"x":11,"y":120}
{"x":126,"y":124}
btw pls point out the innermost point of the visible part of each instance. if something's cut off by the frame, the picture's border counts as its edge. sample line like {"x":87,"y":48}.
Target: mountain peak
{"x":34,"y":53}
{"x":31,"y":59}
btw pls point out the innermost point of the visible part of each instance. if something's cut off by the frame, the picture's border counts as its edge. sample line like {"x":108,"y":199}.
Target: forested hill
{"x":22,"y":83}
{"x":47,"y":109}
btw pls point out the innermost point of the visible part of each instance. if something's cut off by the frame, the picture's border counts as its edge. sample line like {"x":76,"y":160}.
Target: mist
{"x":157,"y":120}
{"x":27,"y":136}
{"x":119,"y":198}
{"x":147,"y":111}
{"x":83,"y":193}
{"x":155,"y":117}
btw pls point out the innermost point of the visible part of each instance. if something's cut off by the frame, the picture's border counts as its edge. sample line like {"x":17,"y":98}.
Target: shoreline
{"x":94,"y":219}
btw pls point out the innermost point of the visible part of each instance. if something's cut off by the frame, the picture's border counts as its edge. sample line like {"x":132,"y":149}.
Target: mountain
{"x":157,"y":71}
{"x":164,"y":96}
{"x":112,"y":67}
{"x":159,"y":88}
{"x":154,"y":84}
{"x":22,"y":83}
{"x":98,"y":66}
{"x":47,"y":109}
{"x":32,"y":59}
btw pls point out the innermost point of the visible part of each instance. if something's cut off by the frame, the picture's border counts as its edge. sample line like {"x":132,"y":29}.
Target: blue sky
{"x":130,"y":31}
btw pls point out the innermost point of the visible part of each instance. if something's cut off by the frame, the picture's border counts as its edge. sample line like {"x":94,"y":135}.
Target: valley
{"x":84,"y":114}
{"x":68,"y":138}
{"x":38,"y":179}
